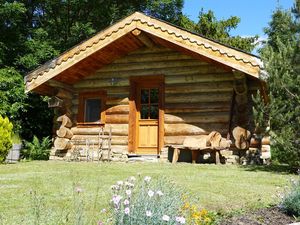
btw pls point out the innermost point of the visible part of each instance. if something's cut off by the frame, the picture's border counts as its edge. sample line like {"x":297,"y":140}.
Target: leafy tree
{"x":283,"y":84}
{"x":5,"y":137}
{"x":219,"y":30}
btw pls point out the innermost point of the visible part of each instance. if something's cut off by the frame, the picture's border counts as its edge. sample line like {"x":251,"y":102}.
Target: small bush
{"x":153,"y":202}
{"x":37,"y":150}
{"x":5,"y":137}
{"x":291,"y":202}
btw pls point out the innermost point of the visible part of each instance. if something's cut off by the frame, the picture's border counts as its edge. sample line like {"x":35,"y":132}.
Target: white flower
{"x":150,"y":193}
{"x":116,"y":199}
{"x":180,"y":219}
{"x":103,"y":210}
{"x":159,"y":193}
{"x":115,"y":187}
{"x":127,"y":211}
{"x":128,"y":184}
{"x":165,"y":218}
{"x":128,"y":192}
{"x":120,"y":183}
{"x":147,"y":179}
{"x":148,"y":213}
{"x":132,"y":178}
{"x":126,"y":202}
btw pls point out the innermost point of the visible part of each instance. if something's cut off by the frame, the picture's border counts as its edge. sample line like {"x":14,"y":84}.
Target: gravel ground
{"x":268,"y":216}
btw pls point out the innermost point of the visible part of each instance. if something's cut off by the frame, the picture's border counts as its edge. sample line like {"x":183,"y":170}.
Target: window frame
{"x":83,"y":96}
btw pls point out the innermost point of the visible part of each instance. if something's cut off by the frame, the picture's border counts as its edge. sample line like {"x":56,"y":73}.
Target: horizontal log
{"x":201,"y":107}
{"x":225,"y":86}
{"x":62,"y":143}
{"x":115,"y":140}
{"x":117,"y":129}
{"x":64,"y":132}
{"x":222,"y":117}
{"x":265,"y":140}
{"x":119,"y":118}
{"x":178,"y":140}
{"x":117,"y":67}
{"x":100,"y":83}
{"x":171,"y":71}
{"x":154,"y":57}
{"x":109,"y":101}
{"x":118,"y":109}
{"x":94,"y":147}
{"x":183,"y":130}
{"x":198,"y":98}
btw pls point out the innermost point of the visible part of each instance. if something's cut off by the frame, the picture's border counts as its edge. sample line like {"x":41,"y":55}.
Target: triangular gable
{"x":165,"y":33}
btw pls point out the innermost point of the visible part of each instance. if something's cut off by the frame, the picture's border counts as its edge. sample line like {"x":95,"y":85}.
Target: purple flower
{"x":78,"y":189}
{"x":180,"y":219}
{"x":99,"y":223}
{"x":127,"y":211}
{"x":126,"y":202}
{"x":116,"y":199}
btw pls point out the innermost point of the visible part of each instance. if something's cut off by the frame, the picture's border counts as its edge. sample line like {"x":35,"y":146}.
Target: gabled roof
{"x":124,"y":37}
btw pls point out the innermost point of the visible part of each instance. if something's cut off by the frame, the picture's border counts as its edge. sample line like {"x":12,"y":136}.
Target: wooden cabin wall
{"x":198,"y":95}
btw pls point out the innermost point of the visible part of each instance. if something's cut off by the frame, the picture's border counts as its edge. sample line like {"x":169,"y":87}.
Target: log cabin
{"x":146,"y":86}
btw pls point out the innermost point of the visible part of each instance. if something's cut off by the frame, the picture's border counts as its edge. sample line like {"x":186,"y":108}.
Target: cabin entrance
{"x":147,"y":112}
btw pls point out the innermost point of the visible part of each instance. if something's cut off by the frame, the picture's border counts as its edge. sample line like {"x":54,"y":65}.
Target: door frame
{"x":135,"y":83}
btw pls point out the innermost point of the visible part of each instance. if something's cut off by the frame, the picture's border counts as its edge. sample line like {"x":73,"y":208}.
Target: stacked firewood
{"x":64,"y":134}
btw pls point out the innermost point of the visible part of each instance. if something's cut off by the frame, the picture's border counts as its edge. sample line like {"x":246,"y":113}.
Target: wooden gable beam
{"x":143,"y":38}
{"x":176,"y":36}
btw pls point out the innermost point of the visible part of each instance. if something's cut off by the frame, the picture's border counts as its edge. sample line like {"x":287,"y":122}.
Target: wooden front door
{"x":148,"y":110}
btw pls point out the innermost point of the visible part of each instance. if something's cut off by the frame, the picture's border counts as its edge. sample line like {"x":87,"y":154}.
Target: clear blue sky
{"x":254,"y":14}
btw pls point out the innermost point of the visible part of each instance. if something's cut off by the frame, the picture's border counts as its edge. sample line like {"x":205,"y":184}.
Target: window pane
{"x":144,"y":96}
{"x":92,"y":110}
{"x":144,"y":111}
{"x":154,"y":95}
{"x":154,"y":111}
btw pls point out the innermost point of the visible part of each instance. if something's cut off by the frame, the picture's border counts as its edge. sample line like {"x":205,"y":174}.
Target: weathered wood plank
{"x":221,"y":117}
{"x":117,"y":129}
{"x":197,"y":98}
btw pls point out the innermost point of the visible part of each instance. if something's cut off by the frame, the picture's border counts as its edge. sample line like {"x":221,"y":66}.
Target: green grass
{"x":219,"y":188}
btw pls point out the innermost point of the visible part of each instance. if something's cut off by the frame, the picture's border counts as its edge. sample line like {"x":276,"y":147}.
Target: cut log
{"x":195,"y":143}
{"x":62,"y":143}
{"x":64,"y":132}
{"x":215,"y":139}
{"x":242,"y":137}
{"x":224,"y":144}
{"x":65,"y":121}
{"x":265,"y":140}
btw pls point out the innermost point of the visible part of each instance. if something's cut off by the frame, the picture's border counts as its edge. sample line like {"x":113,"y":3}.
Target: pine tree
{"x":283,"y":84}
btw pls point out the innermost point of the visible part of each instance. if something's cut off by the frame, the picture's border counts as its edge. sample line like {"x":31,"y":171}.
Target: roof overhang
{"x":101,"y":48}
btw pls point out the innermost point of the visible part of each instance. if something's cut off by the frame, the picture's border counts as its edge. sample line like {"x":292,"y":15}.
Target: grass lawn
{"x":30,"y":187}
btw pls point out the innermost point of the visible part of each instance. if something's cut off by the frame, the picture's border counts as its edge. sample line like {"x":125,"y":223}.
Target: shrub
{"x":5,"y":137}
{"x":37,"y":150}
{"x":143,"y":201}
{"x":291,"y":202}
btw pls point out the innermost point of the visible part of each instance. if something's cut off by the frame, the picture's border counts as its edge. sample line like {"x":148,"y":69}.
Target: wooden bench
{"x":195,"y":152}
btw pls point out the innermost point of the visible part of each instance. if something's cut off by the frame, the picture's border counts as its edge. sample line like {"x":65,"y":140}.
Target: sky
{"x":254,"y":14}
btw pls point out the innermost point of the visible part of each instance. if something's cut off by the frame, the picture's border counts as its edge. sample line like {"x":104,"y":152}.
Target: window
{"x":91,"y":108}
{"x":149,"y":103}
